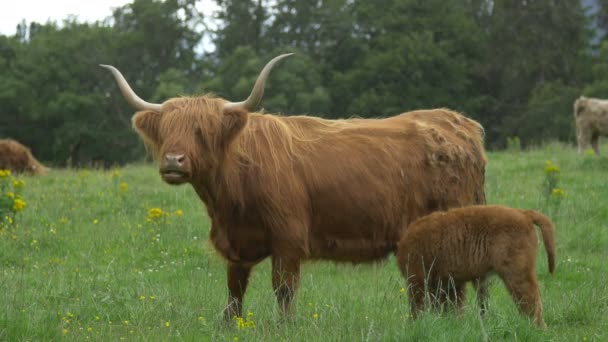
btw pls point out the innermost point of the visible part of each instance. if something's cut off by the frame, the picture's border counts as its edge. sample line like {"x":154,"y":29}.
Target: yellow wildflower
{"x":179,"y":212}
{"x":124,"y":187}
{"x":10,"y":194}
{"x":115,"y":173}
{"x":19,"y":204}
{"x":65,"y":331}
{"x":551,"y":168}
{"x":167,"y":324}
{"x":5,"y":173}
{"x":155,"y":213}
{"x":95,"y":221}
{"x":402,"y":290}
{"x":315,"y":316}
{"x":18,"y":184}
{"x":558,"y":193}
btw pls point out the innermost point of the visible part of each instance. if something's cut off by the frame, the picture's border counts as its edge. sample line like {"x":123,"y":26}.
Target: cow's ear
{"x":147,"y":123}
{"x":233,"y":122}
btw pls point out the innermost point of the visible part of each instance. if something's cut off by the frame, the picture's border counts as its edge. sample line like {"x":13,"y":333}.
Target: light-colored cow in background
{"x":591,"y":118}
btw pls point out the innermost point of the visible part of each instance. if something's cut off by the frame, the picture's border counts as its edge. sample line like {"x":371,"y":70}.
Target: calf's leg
{"x":481,"y":286}
{"x":523,"y":286}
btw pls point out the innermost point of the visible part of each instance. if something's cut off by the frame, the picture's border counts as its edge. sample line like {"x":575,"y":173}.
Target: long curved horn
{"x":258,"y":89}
{"x":128,"y":93}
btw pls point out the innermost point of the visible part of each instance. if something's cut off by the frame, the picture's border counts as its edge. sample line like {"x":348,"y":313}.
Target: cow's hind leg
{"x":285,"y":280}
{"x":238,"y":278}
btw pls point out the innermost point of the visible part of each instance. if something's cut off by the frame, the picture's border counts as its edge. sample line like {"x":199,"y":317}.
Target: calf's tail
{"x":547,"y":230}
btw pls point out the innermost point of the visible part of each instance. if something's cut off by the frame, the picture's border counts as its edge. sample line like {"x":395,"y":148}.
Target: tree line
{"x":514,"y":65}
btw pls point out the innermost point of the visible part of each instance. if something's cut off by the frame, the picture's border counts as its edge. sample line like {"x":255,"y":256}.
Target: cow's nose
{"x":174,"y":159}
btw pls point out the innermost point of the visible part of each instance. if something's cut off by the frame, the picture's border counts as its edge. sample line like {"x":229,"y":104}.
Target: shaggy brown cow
{"x":299,"y":187}
{"x":18,"y":158}
{"x":591,"y":119}
{"x":440,"y":252}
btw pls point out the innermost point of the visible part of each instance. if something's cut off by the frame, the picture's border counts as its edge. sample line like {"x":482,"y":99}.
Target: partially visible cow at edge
{"x":18,"y":158}
{"x":591,"y":119}
{"x":302,"y":188}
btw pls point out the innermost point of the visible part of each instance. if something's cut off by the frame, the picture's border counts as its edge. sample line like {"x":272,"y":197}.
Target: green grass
{"x":83,"y":262}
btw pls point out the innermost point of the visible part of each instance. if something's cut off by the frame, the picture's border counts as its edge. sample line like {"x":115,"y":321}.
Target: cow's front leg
{"x":285,"y":279}
{"x":238,"y":277}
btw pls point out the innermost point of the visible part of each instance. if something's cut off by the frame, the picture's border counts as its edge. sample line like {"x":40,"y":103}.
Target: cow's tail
{"x":547,"y":230}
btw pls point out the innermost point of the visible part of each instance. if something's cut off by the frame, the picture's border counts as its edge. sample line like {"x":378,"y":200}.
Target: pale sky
{"x":13,"y":11}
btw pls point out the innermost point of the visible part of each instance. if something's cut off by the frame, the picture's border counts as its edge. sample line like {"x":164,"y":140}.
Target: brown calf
{"x":440,"y":252}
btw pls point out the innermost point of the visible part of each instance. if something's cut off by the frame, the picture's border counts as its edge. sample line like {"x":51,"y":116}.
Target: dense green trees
{"x":516,"y":66}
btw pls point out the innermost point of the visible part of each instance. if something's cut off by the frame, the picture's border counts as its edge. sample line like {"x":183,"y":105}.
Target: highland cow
{"x":439,"y":253}
{"x":591,"y":119}
{"x":18,"y":158}
{"x":298,"y":188}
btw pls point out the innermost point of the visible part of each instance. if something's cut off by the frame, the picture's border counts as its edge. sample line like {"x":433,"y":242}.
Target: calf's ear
{"x":146,"y":124}
{"x":233,"y":122}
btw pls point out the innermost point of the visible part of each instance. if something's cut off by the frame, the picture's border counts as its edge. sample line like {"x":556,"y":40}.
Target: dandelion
{"x":115,"y":173}
{"x":65,"y":331}
{"x":89,"y":329}
{"x":179,"y":212}
{"x":19,"y":204}
{"x":10,"y":194}
{"x":97,"y":318}
{"x":167,"y":324}
{"x":124,"y":187}
{"x":126,"y":322}
{"x":142,"y":297}
{"x":5,"y":173}
{"x":315,"y":316}
{"x":236,"y":339}
{"x":402,"y":290}
{"x":95,"y":221}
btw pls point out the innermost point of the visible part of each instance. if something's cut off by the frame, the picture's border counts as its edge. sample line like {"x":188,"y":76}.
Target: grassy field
{"x":89,"y":259}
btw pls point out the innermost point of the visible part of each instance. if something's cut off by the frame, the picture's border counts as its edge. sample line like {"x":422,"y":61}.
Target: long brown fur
{"x":439,"y":253}
{"x":18,"y":158}
{"x":591,"y":119}
{"x":300,"y":187}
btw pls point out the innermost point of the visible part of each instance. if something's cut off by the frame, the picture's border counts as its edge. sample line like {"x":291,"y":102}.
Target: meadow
{"x":119,"y":255}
